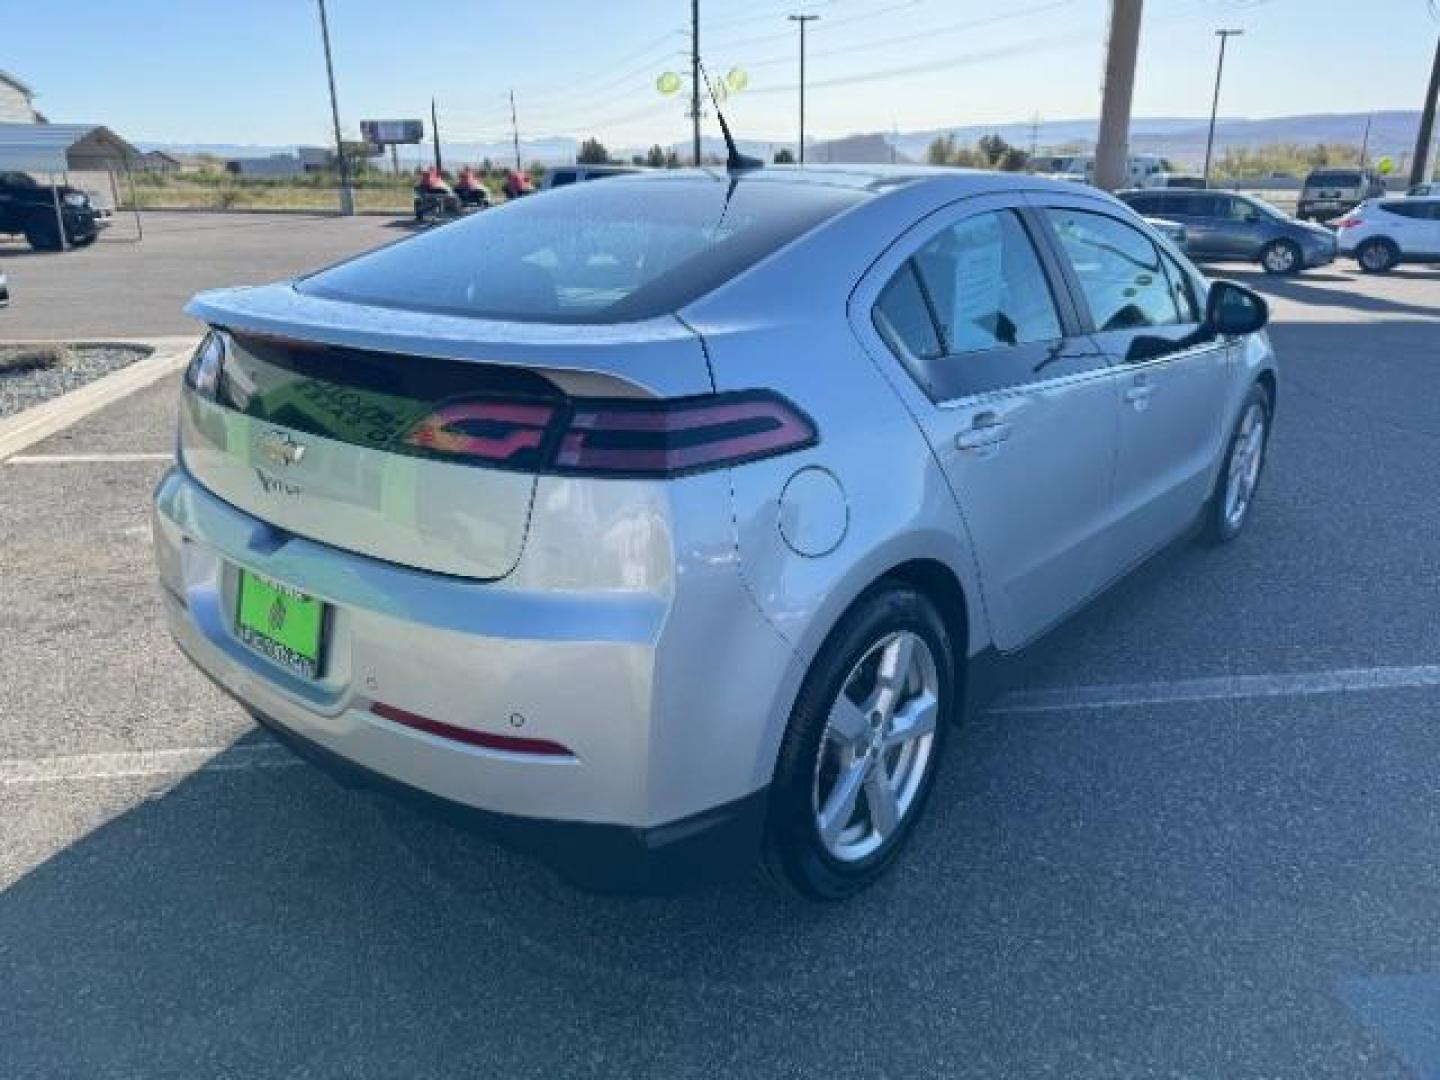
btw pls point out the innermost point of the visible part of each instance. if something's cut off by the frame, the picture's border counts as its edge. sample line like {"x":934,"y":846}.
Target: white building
{"x":17,"y":102}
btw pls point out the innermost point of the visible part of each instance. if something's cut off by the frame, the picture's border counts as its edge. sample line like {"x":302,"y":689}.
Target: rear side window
{"x":1200,"y":206}
{"x":1119,"y":271}
{"x":986,"y":285}
{"x":1151,"y":205}
{"x":903,"y":318}
{"x":590,"y":253}
{"x":561,"y":178}
{"x":1406,"y":209}
{"x":972,"y":310}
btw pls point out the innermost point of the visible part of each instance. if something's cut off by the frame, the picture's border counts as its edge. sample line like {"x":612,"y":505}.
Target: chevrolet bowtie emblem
{"x":278,"y":448}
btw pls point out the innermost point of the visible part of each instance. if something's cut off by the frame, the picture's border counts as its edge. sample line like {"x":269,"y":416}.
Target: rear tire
{"x":42,"y":236}
{"x":1234,"y":494}
{"x":1377,"y":256}
{"x":1282,"y":257}
{"x":864,"y":741}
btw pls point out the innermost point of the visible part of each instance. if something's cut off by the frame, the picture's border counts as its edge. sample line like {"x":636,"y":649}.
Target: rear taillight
{"x":203,"y":374}
{"x":1347,"y":222}
{"x":615,"y":437}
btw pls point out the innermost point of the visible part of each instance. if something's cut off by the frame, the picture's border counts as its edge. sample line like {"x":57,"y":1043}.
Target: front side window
{"x":986,"y":285}
{"x":1119,"y":271}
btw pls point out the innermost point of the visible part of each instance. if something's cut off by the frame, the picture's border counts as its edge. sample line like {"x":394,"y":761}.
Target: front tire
{"x":1377,"y":256}
{"x":1282,"y":257}
{"x":865,"y":738}
{"x":1234,"y":495}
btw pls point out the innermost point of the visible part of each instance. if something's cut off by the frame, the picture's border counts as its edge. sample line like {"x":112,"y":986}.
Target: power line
{"x":923,"y":35}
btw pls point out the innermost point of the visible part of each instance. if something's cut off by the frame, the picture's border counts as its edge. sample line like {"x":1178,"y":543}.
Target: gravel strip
{"x":30,"y":374}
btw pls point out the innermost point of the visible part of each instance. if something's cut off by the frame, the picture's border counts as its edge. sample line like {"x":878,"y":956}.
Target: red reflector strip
{"x":509,"y":743}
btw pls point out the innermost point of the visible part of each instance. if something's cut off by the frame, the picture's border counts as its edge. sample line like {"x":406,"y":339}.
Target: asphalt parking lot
{"x":1179,"y":850}
{"x":119,"y":287}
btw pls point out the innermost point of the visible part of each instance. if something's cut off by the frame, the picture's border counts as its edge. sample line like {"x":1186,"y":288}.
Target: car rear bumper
{"x":635,"y":685}
{"x":695,"y":851}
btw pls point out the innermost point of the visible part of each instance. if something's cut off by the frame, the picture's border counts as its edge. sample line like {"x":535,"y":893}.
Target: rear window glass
{"x":1333,"y":179}
{"x":589,"y":253}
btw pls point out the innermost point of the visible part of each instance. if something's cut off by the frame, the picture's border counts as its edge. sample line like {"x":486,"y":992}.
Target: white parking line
{"x":71,"y":767}
{"x":85,"y":459}
{"x":114,"y":766}
{"x":1224,"y":688}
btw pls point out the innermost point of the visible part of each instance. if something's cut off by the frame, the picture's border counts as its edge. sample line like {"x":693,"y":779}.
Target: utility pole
{"x":1420,"y":166}
{"x":1224,"y":36}
{"x":1034,"y":137}
{"x":695,"y":75}
{"x":514,"y":131}
{"x":347,"y":196}
{"x":1112,"y":149}
{"x":1365,"y":142}
{"x":802,"y":20}
{"x":435,"y":133}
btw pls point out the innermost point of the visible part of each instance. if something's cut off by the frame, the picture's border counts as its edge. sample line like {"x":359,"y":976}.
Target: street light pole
{"x":695,"y":76}
{"x":1224,"y":36}
{"x":802,"y":20}
{"x":347,"y":196}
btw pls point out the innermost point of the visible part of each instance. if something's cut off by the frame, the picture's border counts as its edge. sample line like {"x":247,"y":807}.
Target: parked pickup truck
{"x":28,"y":209}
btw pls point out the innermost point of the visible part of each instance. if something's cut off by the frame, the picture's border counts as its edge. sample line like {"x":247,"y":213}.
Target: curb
{"x":26,"y":428}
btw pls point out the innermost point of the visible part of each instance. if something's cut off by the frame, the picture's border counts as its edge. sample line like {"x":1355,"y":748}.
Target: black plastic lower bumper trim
{"x":674,"y":857}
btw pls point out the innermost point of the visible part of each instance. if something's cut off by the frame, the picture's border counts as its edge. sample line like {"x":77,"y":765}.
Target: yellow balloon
{"x":737,"y":79}
{"x":668,"y":83}
{"x":1386,"y":165}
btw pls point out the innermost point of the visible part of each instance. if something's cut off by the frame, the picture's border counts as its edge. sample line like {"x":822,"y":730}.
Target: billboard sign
{"x":392,"y":132}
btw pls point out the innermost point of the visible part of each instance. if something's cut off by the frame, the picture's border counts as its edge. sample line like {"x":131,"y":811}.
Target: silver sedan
{"x":659,"y":524}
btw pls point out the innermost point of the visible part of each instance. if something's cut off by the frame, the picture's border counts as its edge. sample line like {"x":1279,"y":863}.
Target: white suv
{"x":1382,"y":233}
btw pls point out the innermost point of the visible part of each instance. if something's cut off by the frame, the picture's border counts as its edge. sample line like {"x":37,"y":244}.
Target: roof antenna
{"x":734,"y":160}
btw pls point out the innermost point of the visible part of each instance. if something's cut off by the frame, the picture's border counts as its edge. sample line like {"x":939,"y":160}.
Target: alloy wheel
{"x":1245,"y":461}
{"x":877,"y":746}
{"x":1280,"y":259}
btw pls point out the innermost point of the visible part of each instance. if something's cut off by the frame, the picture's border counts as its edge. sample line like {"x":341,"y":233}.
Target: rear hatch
{"x":367,"y":441}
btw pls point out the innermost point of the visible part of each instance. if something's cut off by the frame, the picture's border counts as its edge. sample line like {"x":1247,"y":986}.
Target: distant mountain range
{"x":1182,"y":139}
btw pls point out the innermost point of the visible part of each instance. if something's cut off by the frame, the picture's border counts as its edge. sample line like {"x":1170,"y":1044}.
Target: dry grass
{"x":19,"y":359}
{"x":179,"y":195}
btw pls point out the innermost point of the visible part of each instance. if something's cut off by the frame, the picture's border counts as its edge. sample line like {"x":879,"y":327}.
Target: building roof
{"x":20,"y":85}
{"x":58,"y":148}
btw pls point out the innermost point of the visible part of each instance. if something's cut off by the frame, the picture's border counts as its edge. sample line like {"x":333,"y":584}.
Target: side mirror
{"x":1232,"y":309}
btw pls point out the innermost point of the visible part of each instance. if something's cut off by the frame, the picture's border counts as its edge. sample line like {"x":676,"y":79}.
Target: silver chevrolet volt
{"x":658,"y":524}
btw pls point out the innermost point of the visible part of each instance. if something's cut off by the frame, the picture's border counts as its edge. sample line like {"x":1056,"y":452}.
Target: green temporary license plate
{"x":285,"y":625}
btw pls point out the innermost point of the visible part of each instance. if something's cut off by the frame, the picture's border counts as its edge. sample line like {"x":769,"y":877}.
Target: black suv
{"x":28,"y":208}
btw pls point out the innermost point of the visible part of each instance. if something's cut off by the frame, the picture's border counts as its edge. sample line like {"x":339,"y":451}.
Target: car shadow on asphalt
{"x":1305,"y":290}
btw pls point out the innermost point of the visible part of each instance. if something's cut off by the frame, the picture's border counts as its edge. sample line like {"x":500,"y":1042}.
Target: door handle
{"x":986,"y":430}
{"x":1138,"y":393}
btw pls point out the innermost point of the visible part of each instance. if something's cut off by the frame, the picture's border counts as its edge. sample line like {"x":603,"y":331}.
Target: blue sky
{"x":252,"y":71}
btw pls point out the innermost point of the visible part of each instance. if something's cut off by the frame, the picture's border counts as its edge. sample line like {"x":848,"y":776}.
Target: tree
{"x":592,"y":152}
{"x":783,"y":156}
{"x":993,"y":149}
{"x":655,"y":157}
{"x":672,"y":160}
{"x":941,"y":150}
